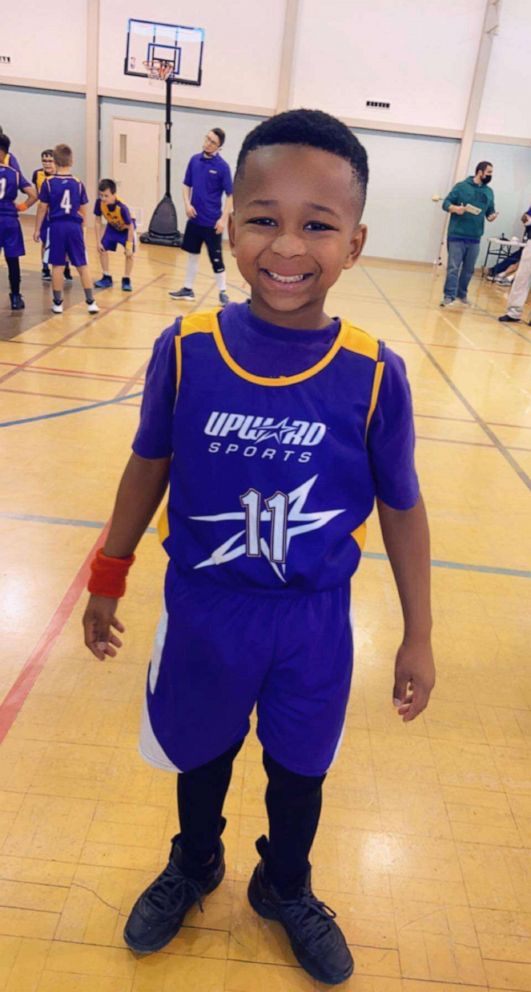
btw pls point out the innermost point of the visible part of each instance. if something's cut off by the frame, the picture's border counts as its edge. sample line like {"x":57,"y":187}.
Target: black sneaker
{"x":46,"y":274}
{"x":17,"y":301}
{"x":126,"y":285}
{"x":223,"y":298}
{"x":68,"y":274}
{"x":316,"y":940}
{"x":183,"y":294}
{"x":158,"y":913}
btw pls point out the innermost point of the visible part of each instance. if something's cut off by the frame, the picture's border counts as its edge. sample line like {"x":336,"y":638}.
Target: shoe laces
{"x":171,"y":886}
{"x":311,"y":917}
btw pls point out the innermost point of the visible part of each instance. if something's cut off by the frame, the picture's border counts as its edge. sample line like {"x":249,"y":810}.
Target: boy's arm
{"x":407,"y":542}
{"x":130,"y":239}
{"x":82,"y":211}
{"x":99,"y":232}
{"x":31,"y":198}
{"x":39,"y":217}
{"x":139,"y":494}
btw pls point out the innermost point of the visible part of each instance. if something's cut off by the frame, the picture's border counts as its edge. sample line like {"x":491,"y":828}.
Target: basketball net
{"x":158,"y":70}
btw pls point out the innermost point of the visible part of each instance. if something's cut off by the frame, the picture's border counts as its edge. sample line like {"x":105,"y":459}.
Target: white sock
{"x":221,"y":281}
{"x":191,"y":271}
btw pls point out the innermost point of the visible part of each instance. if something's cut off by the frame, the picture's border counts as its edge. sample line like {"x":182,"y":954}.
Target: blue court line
{"x":66,"y":413}
{"x":34,"y":518}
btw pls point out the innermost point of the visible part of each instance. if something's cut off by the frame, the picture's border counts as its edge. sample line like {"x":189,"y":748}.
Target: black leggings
{"x":293,"y":806}
{"x":13,"y":268}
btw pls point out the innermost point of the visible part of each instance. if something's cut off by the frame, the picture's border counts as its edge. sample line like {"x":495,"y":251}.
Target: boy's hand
{"x":36,"y":236}
{"x":458,"y":209}
{"x":191,"y":212}
{"x":100,"y":246}
{"x":219,"y":226}
{"x":98,"y":619}
{"x":414,"y":678}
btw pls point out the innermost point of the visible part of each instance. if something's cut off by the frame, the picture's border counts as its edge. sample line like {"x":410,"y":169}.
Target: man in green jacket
{"x":468,"y":203}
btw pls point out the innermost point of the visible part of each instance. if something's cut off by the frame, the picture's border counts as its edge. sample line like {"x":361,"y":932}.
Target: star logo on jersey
{"x":276,"y":432}
{"x":295,"y":521}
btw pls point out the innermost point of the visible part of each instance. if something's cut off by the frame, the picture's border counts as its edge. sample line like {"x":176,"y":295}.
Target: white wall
{"x":506,"y":105}
{"x":242,"y":47}
{"x":48,"y":119}
{"x":511,"y":184}
{"x":46,"y":41}
{"x":419,"y":55}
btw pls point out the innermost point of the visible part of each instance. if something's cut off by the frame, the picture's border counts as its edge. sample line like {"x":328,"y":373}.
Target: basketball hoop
{"x":158,"y":69}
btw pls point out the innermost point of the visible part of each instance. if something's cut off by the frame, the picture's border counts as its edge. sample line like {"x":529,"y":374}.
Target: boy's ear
{"x":357,"y":242}
{"x":232,"y":233}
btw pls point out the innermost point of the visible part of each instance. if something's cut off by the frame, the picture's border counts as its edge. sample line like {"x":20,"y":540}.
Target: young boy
{"x":276,"y":427}
{"x":120,"y":230}
{"x":47,"y":169}
{"x":63,"y":199}
{"x":207,"y":178}
{"x":11,"y":240}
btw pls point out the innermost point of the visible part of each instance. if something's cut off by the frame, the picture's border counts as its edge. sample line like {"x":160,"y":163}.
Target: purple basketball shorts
{"x":218,"y":653}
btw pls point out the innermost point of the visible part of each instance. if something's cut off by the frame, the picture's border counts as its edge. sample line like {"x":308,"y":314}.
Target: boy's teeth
{"x":275,"y":275}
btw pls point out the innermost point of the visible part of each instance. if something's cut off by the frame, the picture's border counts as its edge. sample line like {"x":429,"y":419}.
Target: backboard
{"x":174,"y":44}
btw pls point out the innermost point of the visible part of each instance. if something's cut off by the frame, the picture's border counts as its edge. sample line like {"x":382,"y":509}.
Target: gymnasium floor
{"x":424,"y":847}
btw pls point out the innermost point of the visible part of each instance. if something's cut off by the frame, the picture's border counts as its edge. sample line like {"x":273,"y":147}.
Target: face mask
{"x":486,"y":180}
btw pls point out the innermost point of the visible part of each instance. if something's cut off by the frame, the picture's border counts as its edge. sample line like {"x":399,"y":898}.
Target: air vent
{"x":377,"y":103}
{"x":5,"y":58}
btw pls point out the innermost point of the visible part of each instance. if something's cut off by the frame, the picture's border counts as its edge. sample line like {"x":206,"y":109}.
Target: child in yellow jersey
{"x":120,"y":230}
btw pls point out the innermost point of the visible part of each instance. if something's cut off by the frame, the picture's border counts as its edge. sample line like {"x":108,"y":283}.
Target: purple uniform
{"x":280,"y":441}
{"x":209,"y":179}
{"x":118,"y":218}
{"x":64,"y":195}
{"x":11,"y":239}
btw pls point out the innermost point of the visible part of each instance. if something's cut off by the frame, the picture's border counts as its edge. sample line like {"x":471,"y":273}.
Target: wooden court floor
{"x":424,"y":847}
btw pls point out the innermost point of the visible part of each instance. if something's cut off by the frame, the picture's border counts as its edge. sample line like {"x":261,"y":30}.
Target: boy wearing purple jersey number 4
{"x":277,"y":427}
{"x":63,"y":200}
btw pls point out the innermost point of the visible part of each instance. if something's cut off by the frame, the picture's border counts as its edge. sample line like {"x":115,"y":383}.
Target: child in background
{"x":47,"y":169}
{"x":276,"y":427}
{"x":11,"y":239}
{"x":120,"y":230}
{"x":63,"y":199}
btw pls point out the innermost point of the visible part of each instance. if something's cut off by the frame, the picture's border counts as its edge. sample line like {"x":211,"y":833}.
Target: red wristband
{"x":108,"y":575}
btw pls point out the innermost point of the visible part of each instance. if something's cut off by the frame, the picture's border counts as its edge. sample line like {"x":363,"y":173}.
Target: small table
{"x":500,"y":249}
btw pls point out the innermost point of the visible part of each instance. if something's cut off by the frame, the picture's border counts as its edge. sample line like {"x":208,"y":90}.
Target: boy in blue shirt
{"x":276,"y":427}
{"x":63,"y":200}
{"x":120,"y":230}
{"x":11,"y":241}
{"x":207,"y":178}
{"x":39,"y":175}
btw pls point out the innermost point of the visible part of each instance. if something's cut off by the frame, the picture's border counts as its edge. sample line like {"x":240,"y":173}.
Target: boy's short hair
{"x":5,"y":142}
{"x":48,"y":152}
{"x":107,"y":184}
{"x":312,"y":128}
{"x":62,"y":155}
{"x":481,"y":166}
{"x":220,"y":134}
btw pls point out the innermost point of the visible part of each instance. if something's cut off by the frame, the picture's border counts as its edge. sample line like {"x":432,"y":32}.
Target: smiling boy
{"x":277,"y":427}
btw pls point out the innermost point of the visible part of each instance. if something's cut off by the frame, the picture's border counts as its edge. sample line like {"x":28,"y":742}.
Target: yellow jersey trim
{"x":204,"y":322}
{"x":163,"y":525}
{"x":377,"y":382}
{"x":360,"y":535}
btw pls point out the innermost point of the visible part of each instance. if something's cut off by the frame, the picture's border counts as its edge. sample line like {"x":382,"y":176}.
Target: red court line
{"x":73,"y":373}
{"x":59,"y":396}
{"x":17,"y":695}
{"x":71,"y":334}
